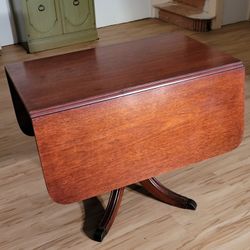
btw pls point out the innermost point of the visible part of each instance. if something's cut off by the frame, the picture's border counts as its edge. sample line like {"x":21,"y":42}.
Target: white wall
{"x":108,"y":12}
{"x":7,"y":30}
{"x":154,"y":11}
{"x":235,"y":11}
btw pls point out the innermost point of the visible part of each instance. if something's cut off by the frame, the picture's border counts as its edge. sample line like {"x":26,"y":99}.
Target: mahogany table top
{"x":108,"y":117}
{"x":71,"y":80}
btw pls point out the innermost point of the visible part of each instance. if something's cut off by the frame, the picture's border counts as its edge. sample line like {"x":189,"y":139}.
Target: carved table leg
{"x":114,"y":202}
{"x":155,"y":188}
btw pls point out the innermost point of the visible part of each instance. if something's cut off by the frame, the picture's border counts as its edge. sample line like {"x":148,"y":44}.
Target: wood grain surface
{"x":94,"y":149}
{"x":75,"y":79}
{"x":30,"y":220}
{"x":199,"y":4}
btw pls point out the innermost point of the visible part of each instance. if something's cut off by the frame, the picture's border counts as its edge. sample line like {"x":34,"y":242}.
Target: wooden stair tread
{"x":184,"y":10}
{"x":199,"y":4}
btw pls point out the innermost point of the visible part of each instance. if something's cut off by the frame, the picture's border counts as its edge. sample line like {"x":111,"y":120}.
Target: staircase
{"x":189,"y":14}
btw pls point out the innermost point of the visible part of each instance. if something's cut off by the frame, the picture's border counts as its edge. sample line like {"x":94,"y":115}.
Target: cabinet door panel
{"x":77,"y":15}
{"x":42,"y":19}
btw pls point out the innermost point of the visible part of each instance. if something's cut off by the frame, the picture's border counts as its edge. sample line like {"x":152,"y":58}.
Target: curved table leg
{"x":114,"y":202}
{"x":154,"y":187}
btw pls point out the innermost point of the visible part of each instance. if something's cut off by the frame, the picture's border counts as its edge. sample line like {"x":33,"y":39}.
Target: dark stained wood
{"x":72,"y":80}
{"x":22,"y":115}
{"x":107,"y":145}
{"x":221,"y":186}
{"x":109,"y":117}
{"x":157,"y":190}
{"x":109,"y":215}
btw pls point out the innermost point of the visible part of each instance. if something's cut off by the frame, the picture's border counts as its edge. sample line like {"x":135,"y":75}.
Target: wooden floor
{"x":221,"y":186}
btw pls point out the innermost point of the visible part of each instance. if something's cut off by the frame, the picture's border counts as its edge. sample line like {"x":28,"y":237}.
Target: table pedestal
{"x":155,"y":188}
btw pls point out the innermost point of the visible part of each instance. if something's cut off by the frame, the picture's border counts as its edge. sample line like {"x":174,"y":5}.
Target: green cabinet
{"x":75,"y":18}
{"x":47,"y":24}
{"x":42,"y":19}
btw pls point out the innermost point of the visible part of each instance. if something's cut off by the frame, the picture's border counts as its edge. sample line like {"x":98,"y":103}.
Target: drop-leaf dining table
{"x":108,"y":117}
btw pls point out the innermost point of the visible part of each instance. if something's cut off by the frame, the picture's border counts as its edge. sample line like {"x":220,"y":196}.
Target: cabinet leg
{"x":114,"y":202}
{"x":156,"y":189}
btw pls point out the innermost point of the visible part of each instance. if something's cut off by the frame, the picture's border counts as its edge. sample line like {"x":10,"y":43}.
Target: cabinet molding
{"x":77,"y":18}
